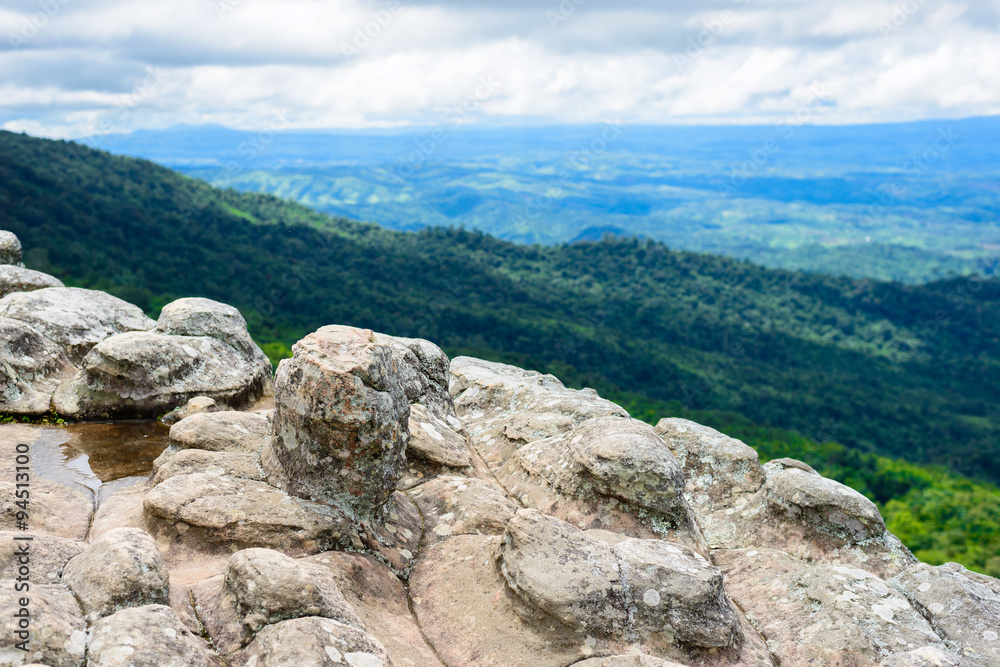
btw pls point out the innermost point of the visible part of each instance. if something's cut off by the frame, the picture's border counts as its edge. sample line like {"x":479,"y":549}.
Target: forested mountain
{"x":783,"y":359}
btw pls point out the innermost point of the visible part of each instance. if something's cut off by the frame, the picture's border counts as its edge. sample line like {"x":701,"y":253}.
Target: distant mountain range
{"x":910,"y":202}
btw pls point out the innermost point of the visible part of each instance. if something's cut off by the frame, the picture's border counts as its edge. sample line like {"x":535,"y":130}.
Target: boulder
{"x":150,"y":636}
{"x":58,"y":633}
{"x":318,"y":642}
{"x":31,"y":367}
{"x":434,"y":440}
{"x":190,"y":461}
{"x":636,"y":660}
{"x":144,"y":374}
{"x":822,"y":614}
{"x":340,"y":422}
{"x":963,"y":607}
{"x":462,"y":506}
{"x":48,"y":555}
{"x":122,"y":568}
{"x":18,"y":279}
{"x":240,"y":432}
{"x":196,"y":406}
{"x":73,"y":318}
{"x":10,"y":248}
{"x":424,"y":374}
{"x":928,"y":656}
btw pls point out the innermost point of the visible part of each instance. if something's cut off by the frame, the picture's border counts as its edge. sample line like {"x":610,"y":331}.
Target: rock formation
{"x":400,"y":508}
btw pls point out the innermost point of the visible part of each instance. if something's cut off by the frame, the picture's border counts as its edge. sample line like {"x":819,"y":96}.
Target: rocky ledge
{"x":397,"y":507}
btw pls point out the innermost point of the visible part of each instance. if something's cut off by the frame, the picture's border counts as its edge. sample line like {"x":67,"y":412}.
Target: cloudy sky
{"x":71,"y":68}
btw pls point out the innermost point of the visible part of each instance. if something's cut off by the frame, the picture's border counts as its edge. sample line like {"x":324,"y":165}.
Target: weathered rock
{"x":212,"y":319}
{"x":191,"y":461}
{"x":424,"y":374}
{"x":962,"y":606}
{"x":47,"y":555}
{"x":73,"y":318}
{"x":717,"y":468}
{"x":196,"y":406}
{"x":242,"y":432}
{"x":10,"y":249}
{"x":340,"y":422}
{"x":636,"y":586}
{"x":433,"y":439}
{"x":928,"y":656}
{"x":637,"y":660}
{"x":151,"y":636}
{"x":54,"y":509}
{"x":122,"y":568}
{"x":462,"y":506}
{"x":833,"y":615}
{"x":268,"y":587}
{"x":57,"y":634}
{"x":318,"y":642}
{"x":17,"y":279}
{"x":31,"y":367}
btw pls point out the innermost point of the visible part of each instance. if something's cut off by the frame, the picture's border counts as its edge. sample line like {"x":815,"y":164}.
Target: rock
{"x":241,"y":432}
{"x":637,"y":660}
{"x":268,"y":587}
{"x":151,"y":636}
{"x":435,"y":440}
{"x":122,"y":568}
{"x":424,"y":373}
{"x":636,"y":586}
{"x":318,"y":642}
{"x":191,"y":461}
{"x":340,"y":422}
{"x":212,"y":319}
{"x":48,"y":555}
{"x":142,"y":375}
{"x":963,"y":607}
{"x":927,"y":656}
{"x":215,"y":512}
{"x":822,"y":614}
{"x":10,"y":249}
{"x":54,"y":509}
{"x":717,"y":468}
{"x":31,"y":367}
{"x":462,"y":506}
{"x":196,"y":406}
{"x":504,"y":407}
{"x":57,"y":634}
{"x":17,"y":279}
{"x":73,"y":318}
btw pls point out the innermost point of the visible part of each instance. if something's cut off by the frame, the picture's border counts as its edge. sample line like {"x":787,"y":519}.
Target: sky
{"x":75,"y":68}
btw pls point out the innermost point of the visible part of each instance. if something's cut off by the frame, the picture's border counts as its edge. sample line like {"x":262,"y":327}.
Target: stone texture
{"x":58,"y":633}
{"x":54,"y":509}
{"x":927,"y":656}
{"x":10,"y":248}
{"x":637,"y":660}
{"x":462,"y":506}
{"x":435,"y":440}
{"x":962,"y":606}
{"x":192,"y":461}
{"x":831,"y":615}
{"x":48,"y":555}
{"x":122,"y":568}
{"x":318,"y":642}
{"x":17,"y":279}
{"x":424,"y":373}
{"x":340,"y":422}
{"x":196,"y":406}
{"x":242,"y":432}
{"x":150,"y":636}
{"x":73,"y":318}
{"x":31,"y":367}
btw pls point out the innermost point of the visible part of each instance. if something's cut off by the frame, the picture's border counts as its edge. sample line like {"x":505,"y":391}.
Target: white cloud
{"x":236,"y":62}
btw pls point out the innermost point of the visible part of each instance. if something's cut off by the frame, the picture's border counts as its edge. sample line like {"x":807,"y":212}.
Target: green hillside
{"x":782,"y":359}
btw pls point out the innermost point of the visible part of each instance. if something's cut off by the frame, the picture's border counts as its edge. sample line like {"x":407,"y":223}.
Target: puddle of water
{"x":101,"y":458}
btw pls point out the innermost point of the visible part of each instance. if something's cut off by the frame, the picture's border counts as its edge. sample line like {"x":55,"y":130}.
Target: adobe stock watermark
{"x":759,"y":156}
{"x":35,"y":23}
{"x":427,"y":146}
{"x":899,"y":16}
{"x":563,"y":12}
{"x":712,"y":30}
{"x":365,"y":35}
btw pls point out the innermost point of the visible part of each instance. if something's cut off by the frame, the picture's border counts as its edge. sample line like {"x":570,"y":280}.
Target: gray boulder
{"x":58,"y":633}
{"x":424,"y":372}
{"x":150,"y":636}
{"x":436,"y":441}
{"x":73,"y":318}
{"x":48,"y":555}
{"x":318,"y":642}
{"x":928,"y":656}
{"x":122,"y":568}
{"x":196,"y":406}
{"x":18,"y":279}
{"x":462,"y":506}
{"x":143,"y":374}
{"x":31,"y":368}
{"x":10,"y":249}
{"x":191,"y":461}
{"x":340,"y":422}
{"x":242,"y":432}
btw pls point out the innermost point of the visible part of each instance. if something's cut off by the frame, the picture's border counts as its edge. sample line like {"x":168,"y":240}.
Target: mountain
{"x":783,"y":359}
{"x":910,"y":202}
